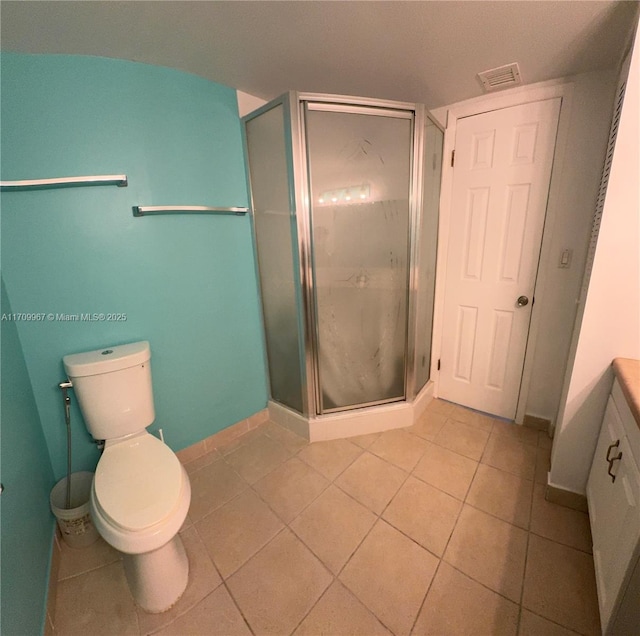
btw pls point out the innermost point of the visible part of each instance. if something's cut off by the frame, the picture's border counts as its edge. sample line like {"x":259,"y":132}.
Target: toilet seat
{"x":138,"y":482}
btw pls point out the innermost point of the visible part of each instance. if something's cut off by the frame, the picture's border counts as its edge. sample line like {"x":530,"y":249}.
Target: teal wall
{"x":26,"y":523}
{"x":186,"y":283}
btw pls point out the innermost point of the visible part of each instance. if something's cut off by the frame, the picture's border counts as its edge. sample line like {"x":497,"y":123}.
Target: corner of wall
{"x":248,"y":103}
{"x":27,"y":474}
{"x":608,"y":316}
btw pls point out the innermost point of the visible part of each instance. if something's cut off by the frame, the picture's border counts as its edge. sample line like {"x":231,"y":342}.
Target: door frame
{"x":545,"y":90}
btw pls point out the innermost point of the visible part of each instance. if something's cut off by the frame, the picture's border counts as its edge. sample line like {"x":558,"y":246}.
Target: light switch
{"x":565,"y":259}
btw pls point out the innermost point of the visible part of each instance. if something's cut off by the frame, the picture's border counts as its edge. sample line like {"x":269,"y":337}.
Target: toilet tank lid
{"x":106,"y":360}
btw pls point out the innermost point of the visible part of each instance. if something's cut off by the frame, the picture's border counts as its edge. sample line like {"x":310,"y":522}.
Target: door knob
{"x":522,"y":301}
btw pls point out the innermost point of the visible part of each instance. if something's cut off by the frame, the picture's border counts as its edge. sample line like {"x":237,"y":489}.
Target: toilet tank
{"x":113,"y":388}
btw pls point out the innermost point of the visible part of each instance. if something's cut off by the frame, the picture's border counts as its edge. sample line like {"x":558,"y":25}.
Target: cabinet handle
{"x":610,"y":460}
{"x":611,"y":447}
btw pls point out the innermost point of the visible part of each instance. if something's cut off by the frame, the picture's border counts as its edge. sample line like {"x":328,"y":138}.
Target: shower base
{"x":372,"y":419}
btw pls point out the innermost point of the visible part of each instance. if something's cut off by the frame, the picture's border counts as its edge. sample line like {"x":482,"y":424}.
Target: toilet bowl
{"x":139,"y":501}
{"x":141,"y":492}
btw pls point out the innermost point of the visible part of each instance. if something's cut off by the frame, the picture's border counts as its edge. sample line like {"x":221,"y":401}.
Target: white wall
{"x":248,"y":103}
{"x":578,"y":178}
{"x":610,"y":324}
{"x":582,"y":139}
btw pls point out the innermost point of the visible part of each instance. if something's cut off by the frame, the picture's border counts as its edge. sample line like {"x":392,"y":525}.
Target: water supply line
{"x":64,"y":386}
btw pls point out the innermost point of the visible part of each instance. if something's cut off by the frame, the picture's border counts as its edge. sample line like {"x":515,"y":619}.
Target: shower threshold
{"x":371,"y":419}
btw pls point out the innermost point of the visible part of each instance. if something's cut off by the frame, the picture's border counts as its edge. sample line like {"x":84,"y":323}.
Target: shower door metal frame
{"x":288,"y":102}
{"x":293,"y":104}
{"x":420,"y":194}
{"x":339,"y":103}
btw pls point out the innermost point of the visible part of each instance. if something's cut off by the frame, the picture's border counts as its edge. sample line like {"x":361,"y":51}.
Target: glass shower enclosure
{"x":345,"y":212}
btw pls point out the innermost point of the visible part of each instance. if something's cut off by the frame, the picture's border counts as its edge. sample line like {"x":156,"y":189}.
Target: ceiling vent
{"x":502,"y":77}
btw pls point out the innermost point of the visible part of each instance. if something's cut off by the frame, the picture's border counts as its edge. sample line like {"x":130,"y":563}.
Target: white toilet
{"x":141,"y":492}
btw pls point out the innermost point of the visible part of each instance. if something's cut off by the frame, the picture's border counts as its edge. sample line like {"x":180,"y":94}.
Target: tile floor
{"x":441,"y":528}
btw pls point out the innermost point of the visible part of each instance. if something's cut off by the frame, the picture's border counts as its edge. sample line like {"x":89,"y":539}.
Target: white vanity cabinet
{"x":613,"y":493}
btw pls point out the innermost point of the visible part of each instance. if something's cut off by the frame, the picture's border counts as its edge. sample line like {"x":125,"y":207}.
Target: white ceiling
{"x":421,"y":51}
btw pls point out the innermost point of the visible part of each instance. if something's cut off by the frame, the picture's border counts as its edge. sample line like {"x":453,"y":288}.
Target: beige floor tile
{"x":203,"y":579}
{"x":192,"y":452}
{"x":257,"y":458}
{"x":533,"y":625}
{"x":364,"y":441}
{"x":292,"y":442}
{"x":390,"y":574}
{"x":75,"y":561}
{"x":52,"y":586}
{"x":441,"y":406}
{"x":98,"y":602}
{"x":400,"y":448}
{"x":290,"y":488}
{"x":333,"y":526}
{"x":473,"y":418}
{"x":372,"y":481}
{"x":544,"y":441}
{"x":330,"y":458}
{"x":424,"y":513}
{"x":559,"y":523}
{"x":501,"y":494}
{"x":462,"y":439}
{"x":543,"y":465}
{"x":428,"y":425}
{"x":188,"y":523}
{"x":509,"y":454}
{"x":446,"y":470}
{"x":48,"y":626}
{"x":340,"y":612}
{"x":559,"y":584}
{"x":212,"y":486}
{"x":279,"y":585}
{"x":227,"y":447}
{"x":457,"y":605}
{"x":489,"y":550}
{"x":216,"y":614}
{"x":236,"y":531}
{"x":204,"y":460}
{"x":517,"y":432}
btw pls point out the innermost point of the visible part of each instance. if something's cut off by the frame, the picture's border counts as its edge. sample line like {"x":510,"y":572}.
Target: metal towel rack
{"x":119,"y":180}
{"x":140,"y":210}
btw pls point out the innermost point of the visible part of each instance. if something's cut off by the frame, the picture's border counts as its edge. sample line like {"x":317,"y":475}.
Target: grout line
{"x":189,"y":580}
{"x":93,"y":569}
{"x":444,"y":550}
{"x":317,"y":601}
{"x":233,"y":600}
{"x":224,"y":581}
{"x":526,"y":557}
{"x":484,"y":585}
{"x":554,"y":622}
{"x":307,"y":505}
{"x":564,"y":545}
{"x":353,"y":461}
{"x":378,"y":517}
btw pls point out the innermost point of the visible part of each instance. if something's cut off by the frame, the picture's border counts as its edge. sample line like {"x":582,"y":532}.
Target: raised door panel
{"x":500,"y":187}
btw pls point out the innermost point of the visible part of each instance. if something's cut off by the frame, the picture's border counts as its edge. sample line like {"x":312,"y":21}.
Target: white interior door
{"x":501,"y":177}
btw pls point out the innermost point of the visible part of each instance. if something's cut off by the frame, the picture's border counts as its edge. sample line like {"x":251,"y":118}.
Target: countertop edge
{"x":627,"y":370}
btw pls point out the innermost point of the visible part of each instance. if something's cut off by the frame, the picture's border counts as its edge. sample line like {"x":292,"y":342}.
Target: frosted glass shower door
{"x":360,"y":181}
{"x":275,"y":236}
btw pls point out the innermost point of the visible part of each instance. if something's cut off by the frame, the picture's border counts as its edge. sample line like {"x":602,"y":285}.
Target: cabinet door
{"x":613,"y":511}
